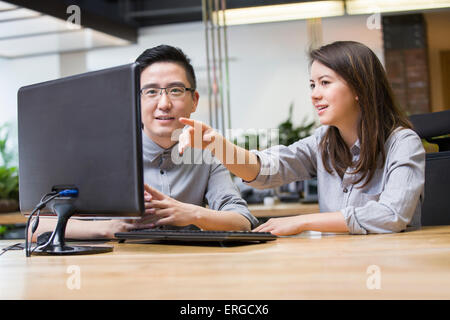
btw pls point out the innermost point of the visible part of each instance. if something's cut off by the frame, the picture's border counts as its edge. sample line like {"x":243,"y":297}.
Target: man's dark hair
{"x":165,"y":53}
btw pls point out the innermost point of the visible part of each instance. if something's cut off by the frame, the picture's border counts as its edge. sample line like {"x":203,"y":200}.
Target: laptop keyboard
{"x":195,"y":235}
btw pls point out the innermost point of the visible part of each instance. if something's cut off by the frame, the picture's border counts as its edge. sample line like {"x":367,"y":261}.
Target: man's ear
{"x":195,"y":97}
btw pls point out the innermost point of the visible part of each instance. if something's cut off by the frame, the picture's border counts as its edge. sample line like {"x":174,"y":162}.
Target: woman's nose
{"x":316,"y":93}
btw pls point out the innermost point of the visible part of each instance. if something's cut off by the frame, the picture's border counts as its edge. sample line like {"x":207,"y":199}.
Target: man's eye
{"x":176,"y":90}
{"x":151,"y":92}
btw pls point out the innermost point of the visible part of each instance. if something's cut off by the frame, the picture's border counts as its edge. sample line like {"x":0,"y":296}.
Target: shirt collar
{"x":356,"y":148}
{"x":152,"y":150}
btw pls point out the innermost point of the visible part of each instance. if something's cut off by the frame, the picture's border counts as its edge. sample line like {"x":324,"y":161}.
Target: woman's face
{"x":334,"y":100}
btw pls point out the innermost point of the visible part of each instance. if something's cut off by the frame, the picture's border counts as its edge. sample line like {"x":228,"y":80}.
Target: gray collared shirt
{"x":391,"y":202}
{"x":195,"y":178}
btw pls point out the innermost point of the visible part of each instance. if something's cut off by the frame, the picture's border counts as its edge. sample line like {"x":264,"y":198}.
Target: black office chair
{"x":436,"y":205}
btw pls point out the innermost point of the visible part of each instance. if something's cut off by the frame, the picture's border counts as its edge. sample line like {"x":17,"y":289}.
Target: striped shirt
{"x":196,"y":178}
{"x":391,"y":202}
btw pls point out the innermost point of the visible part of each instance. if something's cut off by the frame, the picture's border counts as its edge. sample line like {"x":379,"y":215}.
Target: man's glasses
{"x":177,"y":92}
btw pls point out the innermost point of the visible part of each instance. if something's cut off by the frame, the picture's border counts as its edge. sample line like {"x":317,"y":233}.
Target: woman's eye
{"x":324,"y":83}
{"x":312,"y":85}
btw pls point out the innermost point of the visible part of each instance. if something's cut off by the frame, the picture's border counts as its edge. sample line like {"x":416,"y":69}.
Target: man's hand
{"x":199,"y":135}
{"x":164,"y":210}
{"x":107,"y":229}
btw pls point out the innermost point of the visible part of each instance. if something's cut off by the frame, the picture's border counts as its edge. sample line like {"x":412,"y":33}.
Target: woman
{"x":368,"y":162}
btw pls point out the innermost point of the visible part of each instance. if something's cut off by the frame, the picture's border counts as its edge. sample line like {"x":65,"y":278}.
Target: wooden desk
{"x":412,"y":265}
{"x":12,"y":218}
{"x":283,"y":209}
{"x":258,"y":210}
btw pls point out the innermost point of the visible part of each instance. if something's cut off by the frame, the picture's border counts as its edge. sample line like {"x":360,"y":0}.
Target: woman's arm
{"x":269,"y":168}
{"x":237,"y":160}
{"x":323,"y":222}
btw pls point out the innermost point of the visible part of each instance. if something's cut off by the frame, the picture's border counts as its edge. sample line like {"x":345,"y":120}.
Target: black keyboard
{"x":195,"y":235}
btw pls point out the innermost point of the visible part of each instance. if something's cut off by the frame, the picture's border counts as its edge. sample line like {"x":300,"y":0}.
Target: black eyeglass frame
{"x":166,"y":88}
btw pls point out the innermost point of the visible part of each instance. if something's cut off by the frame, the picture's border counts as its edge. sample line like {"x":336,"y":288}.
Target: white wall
{"x":268,"y":67}
{"x":268,"y":64}
{"x":271,"y":67}
{"x":353,"y":28}
{"x":270,"y":71}
{"x":15,"y":73}
{"x":187,"y":36}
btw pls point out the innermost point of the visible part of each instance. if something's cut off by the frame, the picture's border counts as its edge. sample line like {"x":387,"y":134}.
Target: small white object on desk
{"x":269,"y":201}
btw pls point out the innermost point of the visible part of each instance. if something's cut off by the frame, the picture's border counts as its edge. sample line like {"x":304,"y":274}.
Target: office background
{"x":268,"y":65}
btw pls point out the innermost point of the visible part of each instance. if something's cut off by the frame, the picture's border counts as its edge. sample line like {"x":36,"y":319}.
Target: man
{"x":175,"y":189}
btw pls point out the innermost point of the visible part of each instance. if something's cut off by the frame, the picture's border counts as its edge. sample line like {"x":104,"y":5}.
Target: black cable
{"x":52,"y":195}
{"x":38,"y":208}
{"x":16,"y":246}
{"x":36,"y":222}
{"x":33,"y":230}
{"x":27,"y":226}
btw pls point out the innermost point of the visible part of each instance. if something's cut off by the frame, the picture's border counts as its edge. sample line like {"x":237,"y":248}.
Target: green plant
{"x":287,"y":134}
{"x":290,"y":134}
{"x":3,"y":230}
{"x":245,"y":140}
{"x":9,"y":179}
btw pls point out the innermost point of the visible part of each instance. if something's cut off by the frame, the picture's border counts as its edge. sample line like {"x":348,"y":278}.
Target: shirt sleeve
{"x":403,"y":190}
{"x":223,"y":195}
{"x":284,"y":164}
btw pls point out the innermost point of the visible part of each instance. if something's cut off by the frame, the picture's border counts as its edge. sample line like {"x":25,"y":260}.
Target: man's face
{"x":160,"y":114}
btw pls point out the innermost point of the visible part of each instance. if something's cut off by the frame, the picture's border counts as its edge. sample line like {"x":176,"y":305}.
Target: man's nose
{"x":164,"y":101}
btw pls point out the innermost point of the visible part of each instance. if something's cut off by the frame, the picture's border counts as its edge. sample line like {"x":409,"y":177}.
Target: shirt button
{"x":345,"y":190}
{"x":161,"y":171}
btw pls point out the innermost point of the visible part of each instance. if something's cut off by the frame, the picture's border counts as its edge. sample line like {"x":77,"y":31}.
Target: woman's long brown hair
{"x":380,"y":114}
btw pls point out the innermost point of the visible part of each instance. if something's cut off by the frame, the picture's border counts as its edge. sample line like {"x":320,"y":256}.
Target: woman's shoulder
{"x":310,"y":142}
{"x":404,"y":138}
{"x":314,"y":139}
{"x":402,"y":133}
{"x":319,"y":132}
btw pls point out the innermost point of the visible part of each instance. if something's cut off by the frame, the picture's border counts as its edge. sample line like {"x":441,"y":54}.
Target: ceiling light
{"x":282,"y":12}
{"x":6,"y":6}
{"x":31,"y":28}
{"x":371,"y":6}
{"x":84,"y":38}
{"x":14,"y":14}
